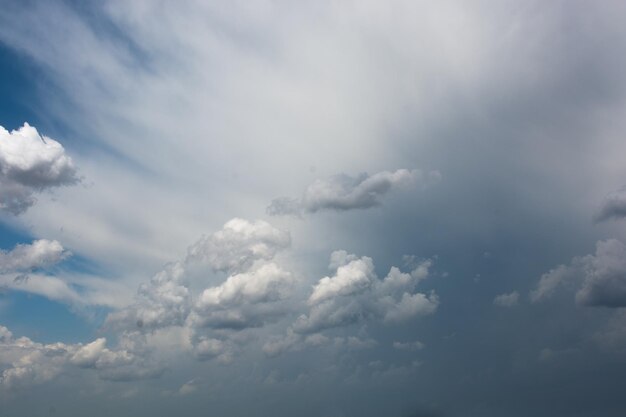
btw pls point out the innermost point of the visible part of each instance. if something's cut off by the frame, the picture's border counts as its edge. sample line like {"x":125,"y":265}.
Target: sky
{"x":324,"y":208}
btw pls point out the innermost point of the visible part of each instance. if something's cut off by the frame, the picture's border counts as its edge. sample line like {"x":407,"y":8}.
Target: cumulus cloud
{"x":605,"y":276}
{"x":343,"y":192}
{"x":212,"y":348}
{"x":613,"y":206}
{"x":25,"y":362}
{"x":507,"y":300}
{"x":244,"y":300}
{"x":257,"y":291}
{"x":30,"y":163}
{"x":20,"y":270}
{"x":600,"y":277}
{"x":354,"y":293}
{"x":239,"y":244}
{"x":163,"y":301}
{"x":550,"y":281}
{"x":26,"y":257}
{"x":248,"y":296}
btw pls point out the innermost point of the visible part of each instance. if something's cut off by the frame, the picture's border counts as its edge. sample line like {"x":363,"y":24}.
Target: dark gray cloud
{"x":599,"y":277}
{"x":29,"y":164}
{"x":605,"y":276}
{"x":613,"y":207}
{"x":343,"y":192}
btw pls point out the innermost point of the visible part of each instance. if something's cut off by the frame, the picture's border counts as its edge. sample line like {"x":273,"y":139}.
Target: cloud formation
{"x":605,"y":276}
{"x":343,"y":192}
{"x":242,"y":249}
{"x":238,"y":245}
{"x":25,"y":363}
{"x":26,"y":257}
{"x":30,"y":163}
{"x":599,"y":277}
{"x":507,"y":300}
{"x":355,"y":293}
{"x":244,"y":300}
{"x":257,"y":291}
{"x":613,"y":207}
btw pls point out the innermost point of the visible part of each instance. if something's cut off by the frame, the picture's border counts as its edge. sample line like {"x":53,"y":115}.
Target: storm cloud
{"x":445,"y":226}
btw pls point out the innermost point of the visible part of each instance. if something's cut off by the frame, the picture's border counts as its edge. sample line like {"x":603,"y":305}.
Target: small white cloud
{"x":354,"y":277}
{"x":29,"y":164}
{"x":26,"y":257}
{"x":507,"y":300}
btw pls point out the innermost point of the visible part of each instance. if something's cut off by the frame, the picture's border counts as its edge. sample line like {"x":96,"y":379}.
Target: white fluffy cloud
{"x":343,"y":192}
{"x":26,"y":257}
{"x":257,"y":291}
{"x":600,"y":277}
{"x":245,"y":298}
{"x":239,"y":244}
{"x":30,"y":163}
{"x":25,"y":362}
{"x":354,"y":293}
{"x":163,"y":301}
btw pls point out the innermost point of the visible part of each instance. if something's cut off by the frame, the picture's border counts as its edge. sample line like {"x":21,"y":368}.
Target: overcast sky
{"x":323,"y":208}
